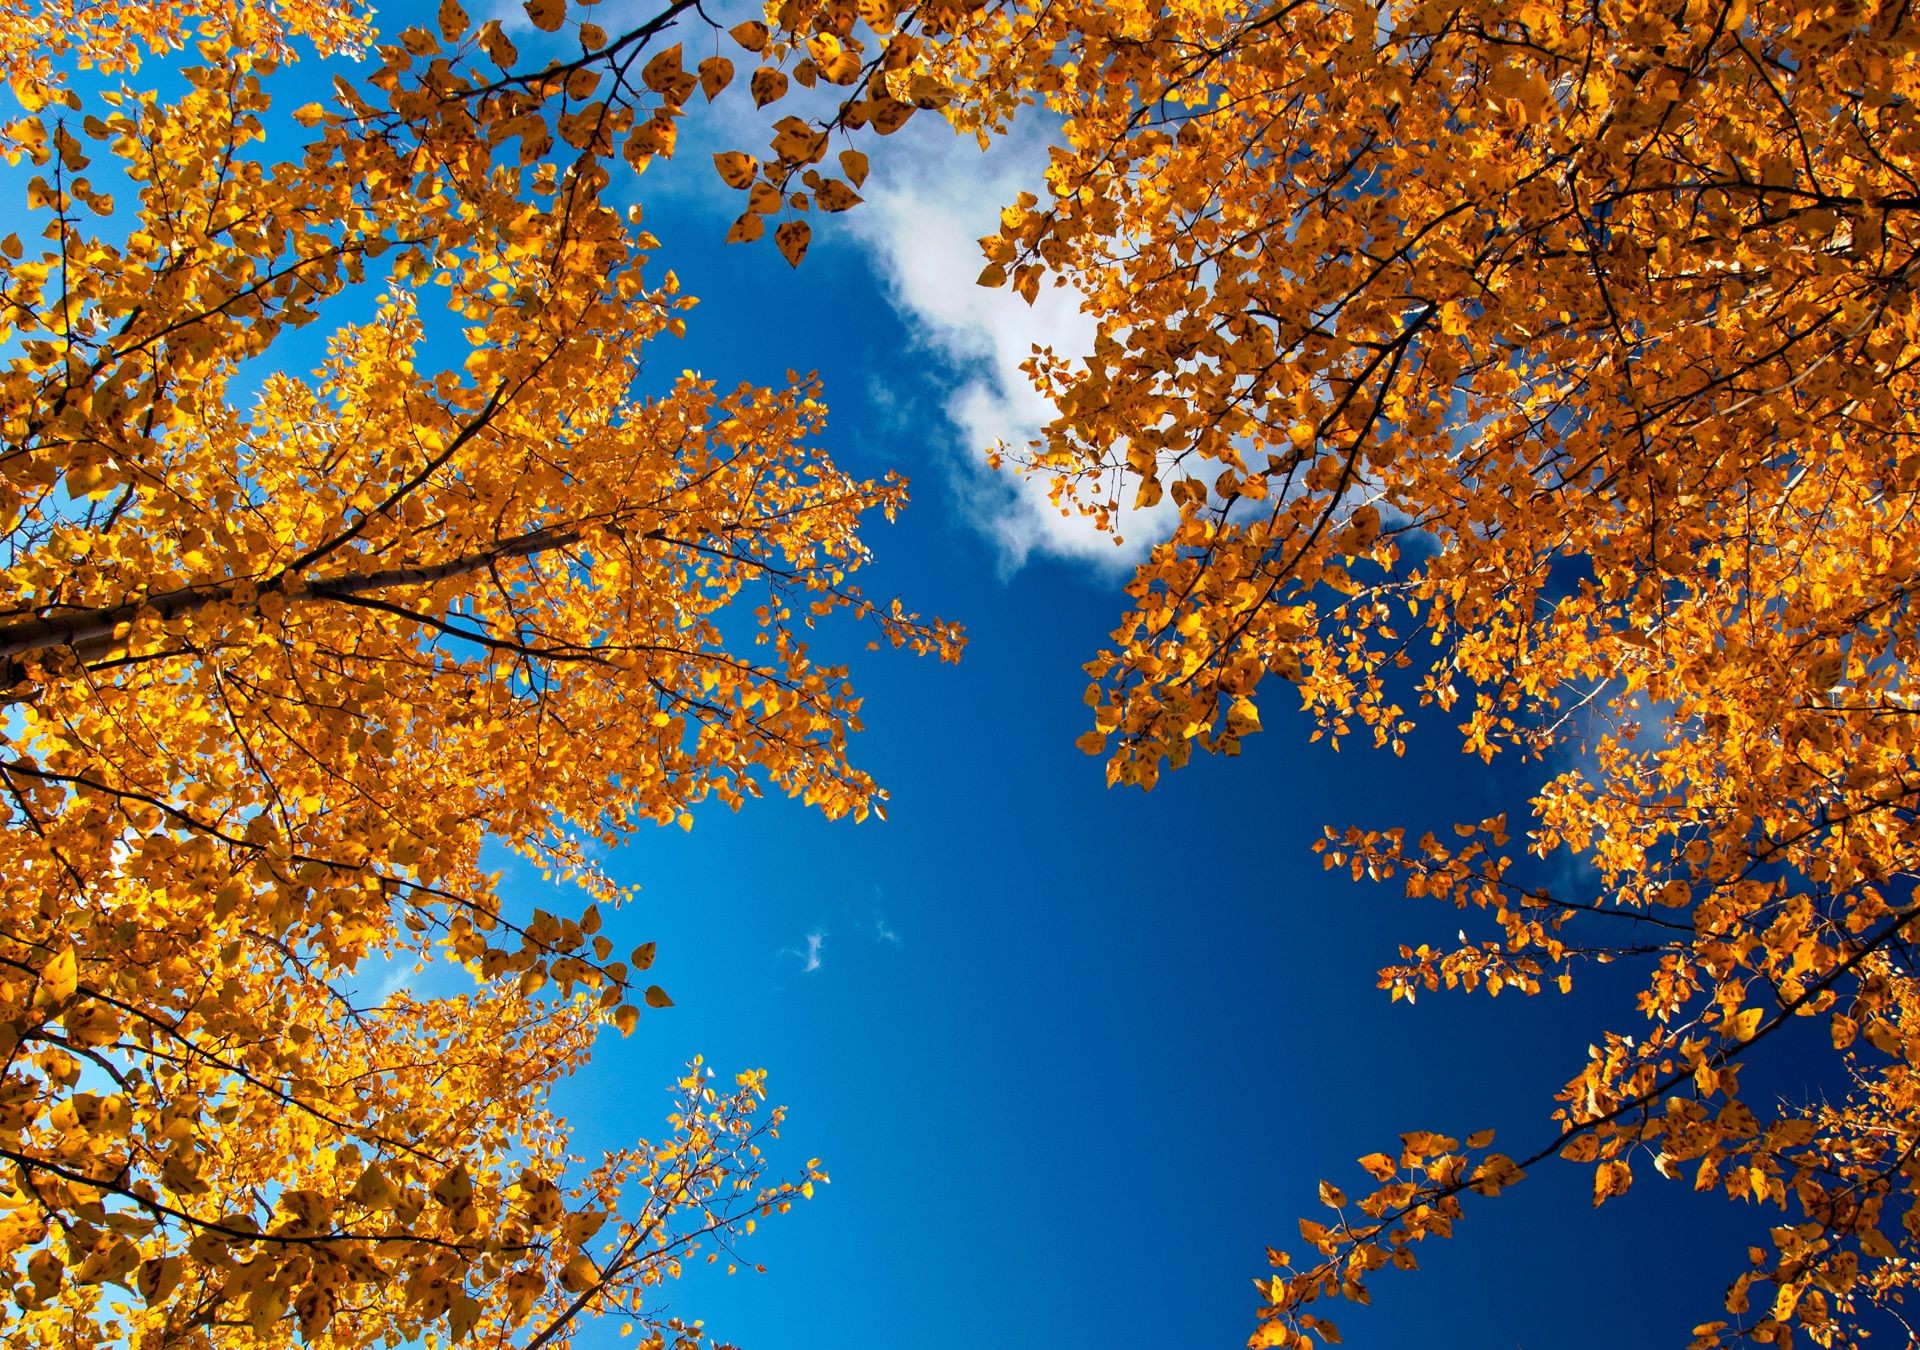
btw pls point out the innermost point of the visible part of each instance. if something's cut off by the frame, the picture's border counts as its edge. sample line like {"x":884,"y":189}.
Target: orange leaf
{"x":791,"y":239}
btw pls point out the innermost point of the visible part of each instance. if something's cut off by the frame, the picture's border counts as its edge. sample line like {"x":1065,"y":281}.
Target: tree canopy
{"x":279,"y":652}
{"x":1540,"y":370}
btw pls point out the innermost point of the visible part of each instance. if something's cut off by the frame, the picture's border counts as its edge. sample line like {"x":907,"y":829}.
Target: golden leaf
{"x":834,"y":195}
{"x":498,"y":47}
{"x":766,"y":85}
{"x":764,"y":199}
{"x":716,"y":73}
{"x":1844,"y":1029}
{"x":791,"y":238}
{"x":579,"y":1275}
{"x":1612,"y":1177}
{"x":1379,"y":1166}
{"x":583,"y":1224}
{"x":736,"y":170}
{"x":60,"y":977}
{"x":663,"y":71}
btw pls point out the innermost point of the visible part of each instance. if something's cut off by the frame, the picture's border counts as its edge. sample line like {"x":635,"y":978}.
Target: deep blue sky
{"x":1074,"y":1056}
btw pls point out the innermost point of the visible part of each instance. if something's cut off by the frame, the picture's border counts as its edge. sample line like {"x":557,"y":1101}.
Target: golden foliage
{"x":278,"y":655}
{"x":1546,"y":368}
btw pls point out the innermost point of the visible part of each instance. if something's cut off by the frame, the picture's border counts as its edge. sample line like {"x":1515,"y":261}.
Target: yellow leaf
{"x":626,"y":1017}
{"x":579,"y":1275}
{"x":663,"y":72}
{"x":1379,"y":1166}
{"x":497,"y":45}
{"x":583,"y":1224}
{"x":763,"y":199}
{"x":546,"y":15}
{"x":455,"y":1188}
{"x":716,"y":73}
{"x":834,"y":195}
{"x":791,"y":239}
{"x":656,"y":997}
{"x":461,"y":1316}
{"x":1612,"y":1177}
{"x":798,"y":142}
{"x":736,"y":170}
{"x":373,"y":1190}
{"x":157,"y":1278}
{"x":1843,"y":1029}
{"x":61,"y":975}
{"x":766,"y":85}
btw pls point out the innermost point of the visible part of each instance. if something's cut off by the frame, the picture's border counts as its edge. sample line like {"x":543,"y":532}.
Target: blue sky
{"x":1074,"y":1056}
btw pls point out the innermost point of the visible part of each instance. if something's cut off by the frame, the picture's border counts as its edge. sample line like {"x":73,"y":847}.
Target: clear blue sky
{"x":1075,"y":1056}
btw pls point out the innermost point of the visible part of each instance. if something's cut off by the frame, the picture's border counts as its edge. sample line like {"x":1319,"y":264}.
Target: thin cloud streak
{"x":811,"y":959}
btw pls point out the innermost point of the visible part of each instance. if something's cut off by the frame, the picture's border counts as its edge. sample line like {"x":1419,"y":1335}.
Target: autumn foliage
{"x":281,"y":649}
{"x":1542,"y":370}
{"x":1545,"y":370}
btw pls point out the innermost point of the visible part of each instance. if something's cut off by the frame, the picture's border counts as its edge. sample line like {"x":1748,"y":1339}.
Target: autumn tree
{"x":1546,"y":370}
{"x":279,"y":650}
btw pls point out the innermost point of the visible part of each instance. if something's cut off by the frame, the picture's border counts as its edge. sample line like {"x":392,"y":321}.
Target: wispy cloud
{"x":811,"y":957}
{"x":928,"y":203}
{"x":810,"y":953}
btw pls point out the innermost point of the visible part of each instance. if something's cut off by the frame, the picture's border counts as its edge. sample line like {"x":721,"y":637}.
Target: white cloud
{"x":811,"y":952}
{"x":884,"y":932}
{"x":933,"y":194}
{"x":810,"y":959}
